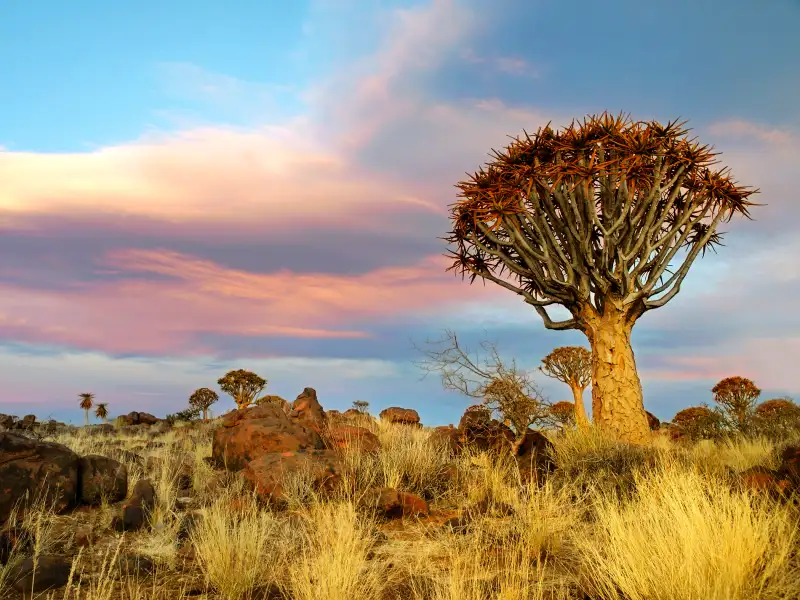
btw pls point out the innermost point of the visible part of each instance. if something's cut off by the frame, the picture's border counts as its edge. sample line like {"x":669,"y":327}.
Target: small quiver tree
{"x":736,"y":398}
{"x":243,"y":386}
{"x":202,"y":399}
{"x":571,"y":365}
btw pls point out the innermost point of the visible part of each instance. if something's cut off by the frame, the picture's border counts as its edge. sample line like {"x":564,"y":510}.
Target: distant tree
{"x":101,"y":412}
{"x":361,"y":406}
{"x":594,"y":218}
{"x":202,"y":399}
{"x":571,"y":365}
{"x":563,"y":414}
{"x":86,"y":404}
{"x":698,"y":422}
{"x":243,"y":386}
{"x":506,"y":390}
{"x":737,"y":397}
{"x":777,"y":419}
{"x":187,"y":414}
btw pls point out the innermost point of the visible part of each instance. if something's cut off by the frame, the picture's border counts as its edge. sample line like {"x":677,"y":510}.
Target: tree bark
{"x":580,"y":410}
{"x":205,"y":414}
{"x":617,"y":400}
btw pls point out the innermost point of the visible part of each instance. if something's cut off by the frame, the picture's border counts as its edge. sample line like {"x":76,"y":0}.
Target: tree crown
{"x":593,"y":211}
{"x":243,"y":386}
{"x":203,"y":398}
{"x":570,"y":364}
{"x":86,"y":400}
{"x":101,"y":412}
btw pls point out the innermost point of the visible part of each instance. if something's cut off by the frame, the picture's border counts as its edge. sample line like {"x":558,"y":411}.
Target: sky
{"x":191,"y":188}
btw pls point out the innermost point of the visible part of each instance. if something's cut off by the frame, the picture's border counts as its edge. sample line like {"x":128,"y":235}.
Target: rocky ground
{"x":287,"y":500}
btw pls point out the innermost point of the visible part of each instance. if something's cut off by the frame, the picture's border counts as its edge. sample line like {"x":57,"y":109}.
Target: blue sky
{"x":189,"y":189}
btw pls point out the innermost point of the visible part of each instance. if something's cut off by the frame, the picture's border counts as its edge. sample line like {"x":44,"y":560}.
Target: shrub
{"x":698,"y":423}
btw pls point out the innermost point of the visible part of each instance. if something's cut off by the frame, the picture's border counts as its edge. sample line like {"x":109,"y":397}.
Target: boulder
{"x":403,"y":416}
{"x":391,"y":504}
{"x":284,"y":405}
{"x":247,"y":434}
{"x":448,"y":436}
{"x":100,"y":477}
{"x":492,"y":436}
{"x":7,"y":421}
{"x":137,"y":510}
{"x":652,"y":421}
{"x":535,"y":454}
{"x":789,"y":468}
{"x":51,"y":572}
{"x":28,"y":423}
{"x":267,"y":473}
{"x":36,"y":468}
{"x":307,"y":410}
{"x":349,"y":436}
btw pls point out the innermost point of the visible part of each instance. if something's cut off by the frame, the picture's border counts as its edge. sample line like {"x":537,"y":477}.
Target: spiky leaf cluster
{"x":600,"y":207}
{"x":87,"y":401}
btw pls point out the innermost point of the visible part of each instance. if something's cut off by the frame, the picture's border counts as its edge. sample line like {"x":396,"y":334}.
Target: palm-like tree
{"x":87,"y":401}
{"x":101,"y":412}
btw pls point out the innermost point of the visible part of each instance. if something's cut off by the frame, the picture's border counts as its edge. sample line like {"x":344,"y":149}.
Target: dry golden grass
{"x":685,"y":535}
{"x":614,"y":522}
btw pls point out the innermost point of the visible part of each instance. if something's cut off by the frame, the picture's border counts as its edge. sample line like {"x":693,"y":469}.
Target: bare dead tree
{"x":506,"y":390}
{"x":591,"y":218}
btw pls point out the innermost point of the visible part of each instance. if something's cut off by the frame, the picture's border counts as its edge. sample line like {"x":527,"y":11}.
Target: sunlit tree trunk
{"x":581,"y":420}
{"x":617,"y":400}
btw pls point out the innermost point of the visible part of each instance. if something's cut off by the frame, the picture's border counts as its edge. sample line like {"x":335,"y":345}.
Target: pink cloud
{"x":201,"y":297}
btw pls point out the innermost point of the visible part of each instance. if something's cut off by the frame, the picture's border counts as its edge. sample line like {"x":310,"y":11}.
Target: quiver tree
{"x":362,"y":406}
{"x":591,"y":218}
{"x":243,"y":386}
{"x":563,"y":414}
{"x":101,"y":412}
{"x":697,"y":423}
{"x":737,"y":397}
{"x":778,"y":418}
{"x":573,"y":366}
{"x":506,"y":390}
{"x":202,"y":399}
{"x":86,"y":403}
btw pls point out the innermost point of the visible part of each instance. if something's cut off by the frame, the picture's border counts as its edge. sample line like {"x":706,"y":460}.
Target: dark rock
{"x":101,"y":477}
{"x":49,"y":571}
{"x":137,"y":510}
{"x":36,"y":468}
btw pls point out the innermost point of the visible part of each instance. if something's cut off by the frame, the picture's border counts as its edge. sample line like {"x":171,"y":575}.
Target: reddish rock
{"x":284,"y":405}
{"x":249,"y":433}
{"x":391,"y":504}
{"x":267,"y":473}
{"x":404,"y":416}
{"x":652,"y":421}
{"x":790,"y":465}
{"x":493,"y":436}
{"x":535,"y":455}
{"x":307,"y":410}
{"x":449,"y":437}
{"x":349,"y":436}
{"x":101,"y":477}
{"x":137,"y":510}
{"x":474,"y":417}
{"x":36,"y":468}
